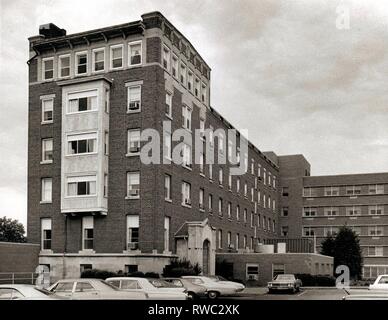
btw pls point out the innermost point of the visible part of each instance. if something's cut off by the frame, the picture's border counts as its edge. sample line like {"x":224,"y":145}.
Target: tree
{"x":327,"y":246}
{"x":178,"y":268}
{"x":11,"y":230}
{"x":347,"y":251}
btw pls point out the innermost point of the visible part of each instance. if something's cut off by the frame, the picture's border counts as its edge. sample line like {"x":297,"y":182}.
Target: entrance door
{"x":206,"y":257}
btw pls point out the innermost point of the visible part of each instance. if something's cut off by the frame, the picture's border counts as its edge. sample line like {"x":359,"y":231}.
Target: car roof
{"x":8,"y":285}
{"x":126,"y":278}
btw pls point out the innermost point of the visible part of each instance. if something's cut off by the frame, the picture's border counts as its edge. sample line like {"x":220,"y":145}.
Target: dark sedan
{"x":284,"y":282}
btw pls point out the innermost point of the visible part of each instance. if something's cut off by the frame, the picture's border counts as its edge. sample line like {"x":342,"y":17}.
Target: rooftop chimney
{"x":50,"y":30}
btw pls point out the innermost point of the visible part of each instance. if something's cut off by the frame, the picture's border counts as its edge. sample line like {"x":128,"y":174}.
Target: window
{"x":197,"y":87}
{"x":47,"y":150}
{"x":245,"y":215}
{"x":81,"y":63}
{"x":47,"y":110}
{"x":98,"y":60}
{"x":229,"y":239}
{"x":265,"y":176}
{"x":183,"y":71}
{"x":284,"y":231}
{"x":174,"y":69}
{"x":274,"y":182}
{"x":107,"y":101}
{"x":309,"y":192}
{"x":64,"y":66}
{"x":190,"y":81}
{"x":219,"y":238}
{"x":82,"y":143}
{"x":376,"y":210}
{"x":353,"y":211}
{"x":258,"y":196}
{"x":166,"y":233}
{"x":167,"y":187}
{"x":330,"y":211}
{"x":131,"y":268}
{"x":376,"y":189}
{"x":264,"y":202}
{"x":273,"y":205}
{"x":166,"y":58}
{"x":221,"y":144}
{"x":245,"y":242}
{"x":46,"y":233}
{"x":252,"y":271}
{"x":330,"y":231}
{"x":201,"y":199}
{"x":353,"y":190}
{"x":88,"y":233}
{"x":258,"y":220}
{"x":238,"y":185}
{"x":186,"y":193}
{"x":252,"y":166}
{"x":168,"y":104}
{"x":376,"y":231}
{"x":134,"y":98}
{"x":210,"y":202}
{"x":229,"y":210}
{"x":84,"y":286}
{"x":83,"y":101}
{"x":278,"y":269}
{"x":220,"y":206}
{"x":375,"y":251}
{"x":134,"y":51}
{"x":308,"y":232}
{"x":210,"y":171}
{"x":331,"y":191}
{"x":220,"y":176}
{"x":48,"y":68}
{"x":204,"y":93}
{"x":133,"y":142}
{"x":237,"y":241}
{"x":116,"y":56}
{"x":47,"y":185}
{"x":237,"y":212}
{"x":186,"y":117}
{"x":309,"y":212}
{"x":105,"y":185}
{"x":230,"y":181}
{"x":106,"y":143}
{"x":167,"y":144}
{"x":133,"y":185}
{"x":202,"y":128}
{"x":81,"y":186}
{"x":252,"y":220}
{"x":245,"y":189}
{"x":132,"y":232}
{"x":187,"y":154}
{"x":201,"y":163}
{"x":285,"y":191}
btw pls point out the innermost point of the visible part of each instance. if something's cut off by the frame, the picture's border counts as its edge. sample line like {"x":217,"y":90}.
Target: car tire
{"x":270,"y":291}
{"x":213,"y":294}
{"x":191,"y":295}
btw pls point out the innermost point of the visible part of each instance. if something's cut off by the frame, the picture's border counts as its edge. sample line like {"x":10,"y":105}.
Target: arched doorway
{"x":206,"y":257}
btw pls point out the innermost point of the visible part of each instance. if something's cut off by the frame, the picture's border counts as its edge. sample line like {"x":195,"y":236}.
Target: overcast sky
{"x":281,"y":69}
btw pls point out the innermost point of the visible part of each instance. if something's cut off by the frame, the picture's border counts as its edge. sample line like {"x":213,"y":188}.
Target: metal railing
{"x":18,"y":277}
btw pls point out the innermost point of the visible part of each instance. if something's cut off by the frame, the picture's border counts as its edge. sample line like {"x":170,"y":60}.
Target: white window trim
{"x":173,"y":55}
{"x":43,"y":99}
{"x":85,"y":178}
{"x":94,"y":60}
{"x":68,"y":55}
{"x":129,"y":53}
{"x":91,"y":133}
{"x":169,"y":63}
{"x":128,"y":196}
{"x":129,"y":153}
{"x":80,"y":95}
{"x":44,"y":69}
{"x":41,"y":188}
{"x":111,"y":48}
{"x":140,"y":104}
{"x":43,"y":161}
{"x":76,"y":63}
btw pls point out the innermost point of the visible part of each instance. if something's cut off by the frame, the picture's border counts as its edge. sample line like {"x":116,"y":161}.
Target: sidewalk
{"x":264,"y":290}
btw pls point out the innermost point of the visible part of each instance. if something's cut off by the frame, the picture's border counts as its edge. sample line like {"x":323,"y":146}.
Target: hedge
{"x":309,"y":280}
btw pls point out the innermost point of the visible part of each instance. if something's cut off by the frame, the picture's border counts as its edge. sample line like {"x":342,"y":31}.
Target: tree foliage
{"x":11,"y":230}
{"x":178,"y":268}
{"x":346,"y":250}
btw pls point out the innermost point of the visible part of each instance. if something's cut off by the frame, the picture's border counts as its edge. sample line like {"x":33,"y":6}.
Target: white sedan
{"x":24,"y":292}
{"x":239,"y":286}
{"x":215,"y":288}
{"x":156,"y":289}
{"x":381,"y":283}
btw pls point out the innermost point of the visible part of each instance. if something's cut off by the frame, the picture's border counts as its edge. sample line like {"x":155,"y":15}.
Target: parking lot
{"x":304,"y":294}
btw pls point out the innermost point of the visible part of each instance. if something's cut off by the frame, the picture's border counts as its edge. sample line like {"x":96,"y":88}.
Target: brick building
{"x":92,"y":202}
{"x":317,"y":206}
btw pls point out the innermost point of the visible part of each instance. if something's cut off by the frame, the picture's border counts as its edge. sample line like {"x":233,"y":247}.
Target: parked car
{"x":381,"y":283}
{"x":25,"y":292}
{"x":91,"y":289}
{"x":239,"y":286}
{"x":371,"y":296}
{"x":214,"y":288}
{"x":194,"y":291}
{"x":155,"y":288}
{"x":284,"y":282}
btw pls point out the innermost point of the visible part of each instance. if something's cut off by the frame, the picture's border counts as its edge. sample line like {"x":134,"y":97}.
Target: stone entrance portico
{"x":196,"y":241}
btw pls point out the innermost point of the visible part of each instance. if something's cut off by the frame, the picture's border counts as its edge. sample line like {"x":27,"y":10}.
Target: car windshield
{"x":285,"y":277}
{"x":44,"y":291}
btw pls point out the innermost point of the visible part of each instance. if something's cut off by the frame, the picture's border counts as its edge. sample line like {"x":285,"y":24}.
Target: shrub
{"x":152,"y":275}
{"x":309,"y":280}
{"x":178,"y":268}
{"x":98,"y":274}
{"x":137,"y":274}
